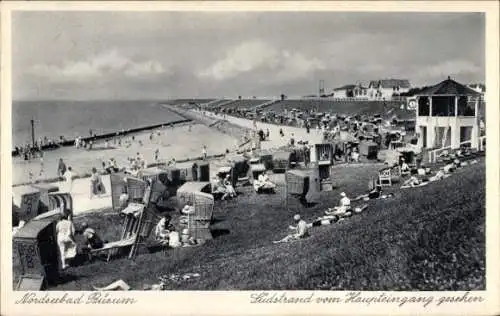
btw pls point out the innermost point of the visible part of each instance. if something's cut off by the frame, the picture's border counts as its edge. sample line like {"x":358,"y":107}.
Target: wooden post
{"x":33,"y":132}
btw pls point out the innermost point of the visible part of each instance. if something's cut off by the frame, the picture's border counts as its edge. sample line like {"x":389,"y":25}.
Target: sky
{"x":161,"y":55}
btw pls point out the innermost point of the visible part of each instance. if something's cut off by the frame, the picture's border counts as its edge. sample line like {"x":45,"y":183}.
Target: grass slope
{"x":428,"y":238}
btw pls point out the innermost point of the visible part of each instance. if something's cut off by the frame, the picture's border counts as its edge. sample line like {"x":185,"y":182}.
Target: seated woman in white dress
{"x":263,"y":183}
{"x":219,"y":188}
{"x":163,"y":230}
{"x":229,"y":186}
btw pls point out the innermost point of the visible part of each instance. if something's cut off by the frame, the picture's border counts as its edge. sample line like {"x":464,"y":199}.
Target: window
{"x":423,"y":106}
{"x":443,"y":106}
{"x":466,"y":106}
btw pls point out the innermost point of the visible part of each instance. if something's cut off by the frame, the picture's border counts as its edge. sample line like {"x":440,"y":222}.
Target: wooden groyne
{"x":68,"y":143}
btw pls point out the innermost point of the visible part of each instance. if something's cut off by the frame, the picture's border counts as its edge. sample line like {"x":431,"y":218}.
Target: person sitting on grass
{"x":355,"y":155}
{"x":405,"y":169}
{"x":229,"y":186}
{"x":186,"y":239}
{"x":163,"y":230}
{"x":219,"y":188}
{"x":91,"y":239}
{"x":373,"y":194}
{"x":344,"y":208}
{"x":301,"y":230}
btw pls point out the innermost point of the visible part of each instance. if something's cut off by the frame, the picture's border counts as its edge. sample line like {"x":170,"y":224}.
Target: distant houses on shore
{"x":383,"y":89}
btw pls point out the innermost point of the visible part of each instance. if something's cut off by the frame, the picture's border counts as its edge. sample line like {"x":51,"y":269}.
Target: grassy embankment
{"x":428,"y":238}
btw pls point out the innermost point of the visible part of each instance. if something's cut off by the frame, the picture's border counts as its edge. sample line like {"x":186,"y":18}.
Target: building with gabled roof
{"x":386,"y":88}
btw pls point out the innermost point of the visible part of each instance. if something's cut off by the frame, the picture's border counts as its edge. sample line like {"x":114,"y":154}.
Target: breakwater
{"x":71,"y":142}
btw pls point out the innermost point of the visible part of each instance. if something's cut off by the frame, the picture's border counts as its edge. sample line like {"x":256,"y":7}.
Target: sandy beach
{"x":179,"y":142}
{"x":174,"y":142}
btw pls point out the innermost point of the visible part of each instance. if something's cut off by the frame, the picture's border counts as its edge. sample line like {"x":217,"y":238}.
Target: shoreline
{"x":71,"y":142}
{"x":232,"y":126}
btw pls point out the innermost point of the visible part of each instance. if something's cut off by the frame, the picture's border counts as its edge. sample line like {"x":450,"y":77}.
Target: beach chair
{"x":135,"y":189}
{"x":255,"y":171}
{"x":281,"y":161}
{"x":28,"y":206}
{"x":240,"y":172}
{"x":45,"y":189}
{"x":198,"y":223}
{"x":118,"y":186}
{"x":130,"y":231}
{"x":385,"y":177}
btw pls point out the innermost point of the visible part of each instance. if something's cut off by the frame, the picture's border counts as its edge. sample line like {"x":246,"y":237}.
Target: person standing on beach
{"x":281,"y":132}
{"x":96,"y":185}
{"x":61,"y":168}
{"x":157,"y":154}
{"x":69,"y":180}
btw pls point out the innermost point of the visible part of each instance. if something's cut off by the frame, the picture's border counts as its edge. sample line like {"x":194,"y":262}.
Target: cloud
{"x":253,"y":56}
{"x":109,"y":63}
{"x":450,"y":67}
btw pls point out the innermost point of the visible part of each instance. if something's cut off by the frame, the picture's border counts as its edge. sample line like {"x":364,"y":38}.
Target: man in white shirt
{"x":301,"y":230}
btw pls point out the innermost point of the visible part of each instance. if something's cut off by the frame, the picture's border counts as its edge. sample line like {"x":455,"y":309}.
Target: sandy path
{"x":275,"y":140}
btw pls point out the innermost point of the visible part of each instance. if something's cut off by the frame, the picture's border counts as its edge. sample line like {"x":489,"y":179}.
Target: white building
{"x":384,"y":89}
{"x":447,"y":116}
{"x":351,"y":91}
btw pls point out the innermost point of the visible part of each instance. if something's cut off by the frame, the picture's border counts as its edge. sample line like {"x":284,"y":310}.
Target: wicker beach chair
{"x":281,"y":161}
{"x":199,"y":222}
{"x":28,"y":206}
{"x":118,"y":186}
{"x":255,"y":171}
{"x":136,"y":189}
{"x":297,"y":182}
{"x":45,"y":189}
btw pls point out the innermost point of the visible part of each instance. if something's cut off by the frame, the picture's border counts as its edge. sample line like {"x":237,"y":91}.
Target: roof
{"x":33,"y":228}
{"x":390,"y":83}
{"x":449,"y":87}
{"x":346,"y":87}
